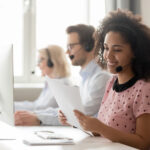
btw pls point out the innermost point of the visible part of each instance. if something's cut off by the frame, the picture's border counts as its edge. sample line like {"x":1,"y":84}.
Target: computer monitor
{"x":6,"y":84}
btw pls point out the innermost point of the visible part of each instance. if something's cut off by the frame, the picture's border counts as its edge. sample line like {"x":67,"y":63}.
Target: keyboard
{"x":50,"y":135}
{"x":47,"y":138}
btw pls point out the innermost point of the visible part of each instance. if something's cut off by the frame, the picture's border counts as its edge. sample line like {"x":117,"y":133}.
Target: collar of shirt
{"x":88,"y":70}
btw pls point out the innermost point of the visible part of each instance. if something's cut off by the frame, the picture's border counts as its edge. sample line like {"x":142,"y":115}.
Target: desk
{"x":82,"y":140}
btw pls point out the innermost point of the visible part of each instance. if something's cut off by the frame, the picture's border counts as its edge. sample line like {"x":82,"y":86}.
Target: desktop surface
{"x":82,"y":140}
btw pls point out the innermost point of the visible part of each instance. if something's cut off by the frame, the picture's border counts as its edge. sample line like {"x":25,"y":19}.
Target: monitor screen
{"x":6,"y":84}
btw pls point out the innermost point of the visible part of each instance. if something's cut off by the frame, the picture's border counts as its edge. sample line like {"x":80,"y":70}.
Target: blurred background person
{"x":43,"y":111}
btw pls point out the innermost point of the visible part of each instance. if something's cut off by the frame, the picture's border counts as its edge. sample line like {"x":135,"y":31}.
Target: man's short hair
{"x":85,"y":33}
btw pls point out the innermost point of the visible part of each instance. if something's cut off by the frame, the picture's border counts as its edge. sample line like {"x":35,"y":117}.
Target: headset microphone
{"x":71,"y":57}
{"x":119,"y":69}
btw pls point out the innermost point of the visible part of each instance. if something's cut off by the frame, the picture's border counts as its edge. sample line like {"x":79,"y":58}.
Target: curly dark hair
{"x":85,"y":33}
{"x":134,"y":32}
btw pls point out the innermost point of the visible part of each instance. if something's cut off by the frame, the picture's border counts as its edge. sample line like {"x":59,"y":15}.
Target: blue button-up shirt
{"x":92,"y":87}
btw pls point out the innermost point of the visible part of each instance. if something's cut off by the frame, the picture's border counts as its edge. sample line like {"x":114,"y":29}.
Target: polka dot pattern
{"x":120,"y":110}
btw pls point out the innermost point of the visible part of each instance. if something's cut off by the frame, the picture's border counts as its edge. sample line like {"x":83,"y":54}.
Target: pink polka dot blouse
{"x":120,"y":109}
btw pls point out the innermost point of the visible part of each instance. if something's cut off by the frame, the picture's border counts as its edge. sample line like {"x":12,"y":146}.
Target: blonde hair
{"x":58,"y":57}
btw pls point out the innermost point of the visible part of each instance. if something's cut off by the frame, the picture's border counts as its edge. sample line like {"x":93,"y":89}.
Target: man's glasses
{"x":71,"y":46}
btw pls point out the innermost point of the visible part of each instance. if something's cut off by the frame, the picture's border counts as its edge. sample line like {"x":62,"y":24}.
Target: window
{"x":54,"y":16}
{"x":11,"y":30}
{"x":34,"y":24}
{"x":96,"y":11}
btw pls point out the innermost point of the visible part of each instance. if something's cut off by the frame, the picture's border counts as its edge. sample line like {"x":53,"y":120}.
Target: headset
{"x":89,"y":45}
{"x":49,"y":62}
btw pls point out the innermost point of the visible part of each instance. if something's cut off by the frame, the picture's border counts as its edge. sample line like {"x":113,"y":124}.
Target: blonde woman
{"x":43,"y":111}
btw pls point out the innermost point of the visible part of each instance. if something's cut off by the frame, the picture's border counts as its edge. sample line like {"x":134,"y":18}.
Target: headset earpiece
{"x":89,"y":46}
{"x":49,"y":62}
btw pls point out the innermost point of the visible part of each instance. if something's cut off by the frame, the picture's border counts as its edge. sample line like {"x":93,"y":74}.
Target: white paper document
{"x":68,"y":99}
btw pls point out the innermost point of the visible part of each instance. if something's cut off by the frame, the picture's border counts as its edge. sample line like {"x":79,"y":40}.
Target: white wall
{"x":145,"y":11}
{"x":27,"y":92}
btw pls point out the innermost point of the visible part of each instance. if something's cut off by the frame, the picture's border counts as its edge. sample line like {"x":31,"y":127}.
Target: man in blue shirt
{"x":81,"y":52}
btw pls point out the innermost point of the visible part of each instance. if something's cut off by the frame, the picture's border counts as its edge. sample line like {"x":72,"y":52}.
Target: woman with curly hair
{"x":123,"y":48}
